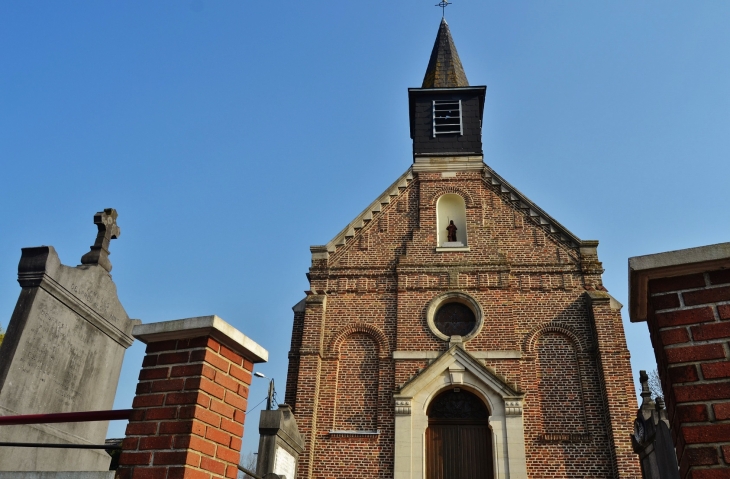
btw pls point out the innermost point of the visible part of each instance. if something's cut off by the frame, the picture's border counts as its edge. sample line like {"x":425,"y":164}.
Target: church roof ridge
{"x":444,"y":67}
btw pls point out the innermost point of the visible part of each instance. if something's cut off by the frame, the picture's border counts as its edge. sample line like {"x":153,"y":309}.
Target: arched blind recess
{"x":357,"y":384}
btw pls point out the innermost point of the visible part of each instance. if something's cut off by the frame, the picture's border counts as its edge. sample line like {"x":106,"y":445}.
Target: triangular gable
{"x":514,"y":196}
{"x":456,"y":360}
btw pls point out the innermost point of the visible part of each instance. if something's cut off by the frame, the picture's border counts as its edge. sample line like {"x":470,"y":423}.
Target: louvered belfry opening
{"x":447,"y":117}
{"x":458,"y":438}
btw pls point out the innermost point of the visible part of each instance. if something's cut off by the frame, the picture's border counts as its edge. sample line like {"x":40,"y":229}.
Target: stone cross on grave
{"x":106,"y":221}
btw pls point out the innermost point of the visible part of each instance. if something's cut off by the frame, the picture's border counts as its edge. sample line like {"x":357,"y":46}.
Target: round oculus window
{"x":455,"y":319}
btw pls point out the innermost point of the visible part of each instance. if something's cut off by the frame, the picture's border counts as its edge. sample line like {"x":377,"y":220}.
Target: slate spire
{"x":444,"y":67}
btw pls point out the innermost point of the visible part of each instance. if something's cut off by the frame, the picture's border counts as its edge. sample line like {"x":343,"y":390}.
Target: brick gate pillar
{"x":684,"y":296}
{"x":190,"y":401}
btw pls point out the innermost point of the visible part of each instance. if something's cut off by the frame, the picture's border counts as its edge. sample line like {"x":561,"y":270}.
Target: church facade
{"x":454,"y":329}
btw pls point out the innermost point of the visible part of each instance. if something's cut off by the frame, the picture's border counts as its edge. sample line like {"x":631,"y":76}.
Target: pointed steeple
{"x":444,"y":67}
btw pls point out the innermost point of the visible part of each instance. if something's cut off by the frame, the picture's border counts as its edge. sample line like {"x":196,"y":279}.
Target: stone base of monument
{"x":58,"y":475}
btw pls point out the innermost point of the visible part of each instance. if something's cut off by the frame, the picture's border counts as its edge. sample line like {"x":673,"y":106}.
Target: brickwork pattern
{"x":529,"y":284}
{"x":188,"y":412}
{"x":689,"y":324}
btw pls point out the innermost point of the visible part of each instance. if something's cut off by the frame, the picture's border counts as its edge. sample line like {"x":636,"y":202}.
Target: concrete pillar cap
{"x":212,"y":326}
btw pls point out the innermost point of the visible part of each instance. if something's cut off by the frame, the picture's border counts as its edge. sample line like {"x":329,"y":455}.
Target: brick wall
{"x":188,"y":411}
{"x":689,"y":322}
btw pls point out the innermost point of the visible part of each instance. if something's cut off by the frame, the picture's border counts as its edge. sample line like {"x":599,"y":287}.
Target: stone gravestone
{"x":280,"y":444}
{"x":63,"y":352}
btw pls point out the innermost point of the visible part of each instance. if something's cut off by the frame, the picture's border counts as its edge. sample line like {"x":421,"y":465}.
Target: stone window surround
{"x":454,"y":297}
{"x":456,"y":368}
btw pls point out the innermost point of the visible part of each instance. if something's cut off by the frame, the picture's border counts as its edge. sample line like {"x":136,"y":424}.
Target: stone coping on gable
{"x":201,"y":326}
{"x":642,"y":269}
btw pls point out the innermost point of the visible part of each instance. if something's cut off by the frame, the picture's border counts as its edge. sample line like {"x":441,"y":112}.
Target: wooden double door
{"x":458,"y":438}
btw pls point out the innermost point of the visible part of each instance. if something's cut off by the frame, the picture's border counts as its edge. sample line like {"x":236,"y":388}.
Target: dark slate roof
{"x":444,"y":67}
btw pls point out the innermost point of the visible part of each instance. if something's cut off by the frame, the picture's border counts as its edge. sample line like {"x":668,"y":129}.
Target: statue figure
{"x":451,"y":229}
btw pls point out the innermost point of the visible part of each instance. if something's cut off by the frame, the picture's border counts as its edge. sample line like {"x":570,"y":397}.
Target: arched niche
{"x":451,"y":207}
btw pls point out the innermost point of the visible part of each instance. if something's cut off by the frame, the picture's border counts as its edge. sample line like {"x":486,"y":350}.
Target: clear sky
{"x":232,"y":135}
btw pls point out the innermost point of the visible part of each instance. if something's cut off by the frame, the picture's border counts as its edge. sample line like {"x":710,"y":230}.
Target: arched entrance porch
{"x":457,"y":368}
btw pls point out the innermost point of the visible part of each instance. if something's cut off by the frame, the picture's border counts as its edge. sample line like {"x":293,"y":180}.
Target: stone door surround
{"x":458,"y":368}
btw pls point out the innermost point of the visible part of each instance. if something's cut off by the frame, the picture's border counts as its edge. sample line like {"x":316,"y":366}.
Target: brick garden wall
{"x":689,"y":322}
{"x":530,"y":284}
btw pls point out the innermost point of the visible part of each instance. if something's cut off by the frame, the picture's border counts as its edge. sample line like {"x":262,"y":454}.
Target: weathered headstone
{"x":63,"y":352}
{"x":280,"y":443}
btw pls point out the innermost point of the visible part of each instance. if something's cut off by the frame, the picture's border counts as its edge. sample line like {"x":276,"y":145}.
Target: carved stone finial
{"x":647,"y":407}
{"x":106,"y":222}
{"x":661,"y":409}
{"x":644,"y":380}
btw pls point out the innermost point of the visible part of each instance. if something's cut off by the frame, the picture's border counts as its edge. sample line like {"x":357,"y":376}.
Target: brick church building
{"x":454,"y":329}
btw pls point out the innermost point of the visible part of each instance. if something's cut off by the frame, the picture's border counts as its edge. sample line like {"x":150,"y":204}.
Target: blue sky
{"x":232,"y":135}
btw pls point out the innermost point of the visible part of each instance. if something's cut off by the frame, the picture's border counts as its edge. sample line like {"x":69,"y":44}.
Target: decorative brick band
{"x":561,"y":437}
{"x":531,"y":338}
{"x":333,"y":349}
{"x":452,"y":190}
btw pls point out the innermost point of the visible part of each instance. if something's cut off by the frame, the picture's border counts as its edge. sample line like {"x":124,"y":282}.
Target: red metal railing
{"x":89,"y":416}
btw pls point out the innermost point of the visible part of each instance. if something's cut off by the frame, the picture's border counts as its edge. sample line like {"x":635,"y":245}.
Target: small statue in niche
{"x":451,"y":229}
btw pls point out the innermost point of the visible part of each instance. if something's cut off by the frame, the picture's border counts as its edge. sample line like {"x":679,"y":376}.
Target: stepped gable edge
{"x":530,"y":209}
{"x":349,"y":231}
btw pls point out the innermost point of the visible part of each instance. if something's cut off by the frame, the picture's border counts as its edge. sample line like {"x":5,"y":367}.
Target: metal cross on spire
{"x":443,"y":4}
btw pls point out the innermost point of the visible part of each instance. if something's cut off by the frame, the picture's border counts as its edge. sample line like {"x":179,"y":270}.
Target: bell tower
{"x":446,"y":113}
